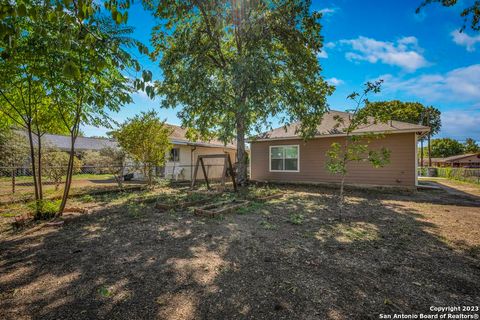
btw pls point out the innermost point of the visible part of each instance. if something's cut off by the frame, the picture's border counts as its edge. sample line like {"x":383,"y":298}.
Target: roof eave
{"x":420,"y":131}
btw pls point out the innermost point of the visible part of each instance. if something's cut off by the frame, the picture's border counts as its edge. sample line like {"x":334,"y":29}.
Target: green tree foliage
{"x":411,"y":112}
{"x":471,"y":11}
{"x":14,"y":146}
{"x":55,"y":165}
{"x":14,"y":152}
{"x":356,"y":146}
{"x":67,"y":61}
{"x":446,"y":147}
{"x":232,"y":65}
{"x":108,"y":160}
{"x":145,"y":138}
{"x":471,"y":146}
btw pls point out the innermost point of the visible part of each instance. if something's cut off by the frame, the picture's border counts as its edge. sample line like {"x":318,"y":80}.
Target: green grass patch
{"x":297,"y":219}
{"x":267,"y":225}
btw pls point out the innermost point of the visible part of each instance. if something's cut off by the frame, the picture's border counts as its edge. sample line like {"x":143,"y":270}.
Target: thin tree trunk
{"x":341,"y":199}
{"x":68,"y":180}
{"x":40,"y":187}
{"x":429,"y":152}
{"x":242,"y":165}
{"x":421,"y":153}
{"x":32,"y":159}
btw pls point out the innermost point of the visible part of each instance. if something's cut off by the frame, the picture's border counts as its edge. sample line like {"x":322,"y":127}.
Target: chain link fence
{"x":17,"y":183}
{"x":461,"y":174}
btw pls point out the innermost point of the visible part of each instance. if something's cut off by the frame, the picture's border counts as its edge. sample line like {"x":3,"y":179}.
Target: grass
{"x":82,"y":176}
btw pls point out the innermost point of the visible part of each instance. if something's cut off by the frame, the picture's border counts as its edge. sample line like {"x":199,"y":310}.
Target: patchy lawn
{"x":289,"y":258}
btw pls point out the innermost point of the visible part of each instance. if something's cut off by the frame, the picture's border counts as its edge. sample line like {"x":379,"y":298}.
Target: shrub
{"x":45,"y":209}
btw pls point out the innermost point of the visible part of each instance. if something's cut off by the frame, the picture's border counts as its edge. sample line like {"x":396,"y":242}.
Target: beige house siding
{"x":399,"y":172}
{"x":188,"y":159}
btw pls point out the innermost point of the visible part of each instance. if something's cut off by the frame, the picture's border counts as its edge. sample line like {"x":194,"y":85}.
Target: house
{"x":280,"y":155}
{"x":184,"y":153}
{"x":180,"y":163}
{"x":436,"y":162}
{"x":470,"y":160}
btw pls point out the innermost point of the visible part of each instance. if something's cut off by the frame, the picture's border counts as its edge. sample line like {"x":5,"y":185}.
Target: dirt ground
{"x":289,"y":258}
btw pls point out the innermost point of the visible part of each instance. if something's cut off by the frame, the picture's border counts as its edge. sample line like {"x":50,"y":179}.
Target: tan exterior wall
{"x":399,"y":172}
{"x":188,"y":159}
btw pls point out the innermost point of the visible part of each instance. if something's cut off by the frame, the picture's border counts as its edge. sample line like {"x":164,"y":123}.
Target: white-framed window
{"x":285,"y":158}
{"x":174,"y":155}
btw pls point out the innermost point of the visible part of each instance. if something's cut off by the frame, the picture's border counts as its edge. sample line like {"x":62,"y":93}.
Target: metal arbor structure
{"x":227,"y":168}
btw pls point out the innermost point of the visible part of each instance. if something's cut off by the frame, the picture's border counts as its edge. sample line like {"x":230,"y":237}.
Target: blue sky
{"x":420,"y":57}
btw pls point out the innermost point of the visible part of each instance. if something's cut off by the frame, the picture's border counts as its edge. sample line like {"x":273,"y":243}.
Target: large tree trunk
{"x":241,"y":156}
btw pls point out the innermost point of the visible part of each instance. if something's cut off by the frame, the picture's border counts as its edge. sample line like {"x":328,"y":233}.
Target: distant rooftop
{"x":179,"y":136}
{"x":81,"y":144}
{"x":62,"y":142}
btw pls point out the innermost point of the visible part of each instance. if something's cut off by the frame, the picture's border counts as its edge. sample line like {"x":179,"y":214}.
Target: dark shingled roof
{"x":329,"y":126}
{"x":81,"y":144}
{"x":178,"y":136}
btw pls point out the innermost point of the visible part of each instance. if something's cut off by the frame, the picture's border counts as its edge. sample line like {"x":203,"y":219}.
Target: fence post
{"x":13,"y":180}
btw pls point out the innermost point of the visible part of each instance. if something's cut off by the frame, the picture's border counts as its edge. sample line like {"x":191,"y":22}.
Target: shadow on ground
{"x":294,"y":258}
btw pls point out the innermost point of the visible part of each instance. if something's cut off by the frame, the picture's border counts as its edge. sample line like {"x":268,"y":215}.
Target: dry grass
{"x":288,"y":258}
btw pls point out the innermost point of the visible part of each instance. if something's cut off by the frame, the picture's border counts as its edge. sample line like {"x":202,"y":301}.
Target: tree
{"x":55,"y":165}
{"x":446,"y":147}
{"x":470,"y":11}
{"x":233,"y":64}
{"x":411,"y":112}
{"x":69,"y":52}
{"x":146,"y":140}
{"x":114,"y":163}
{"x":107,"y":160}
{"x":471,"y":146}
{"x":22,"y":88}
{"x":92,"y":82}
{"x":15,"y":152}
{"x":356,"y":146}
{"x":430,"y":118}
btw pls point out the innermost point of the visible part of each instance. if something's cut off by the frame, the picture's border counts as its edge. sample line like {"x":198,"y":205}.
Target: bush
{"x":44,"y":209}
{"x":461,"y":174}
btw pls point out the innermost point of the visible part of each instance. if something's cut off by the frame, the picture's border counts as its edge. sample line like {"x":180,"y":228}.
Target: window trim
{"x":283,"y":146}
{"x":170,"y":159}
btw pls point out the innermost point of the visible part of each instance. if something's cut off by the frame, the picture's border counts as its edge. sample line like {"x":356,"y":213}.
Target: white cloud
{"x":460,"y":124}
{"x":335,"y":81}
{"x":405,"y":53}
{"x":328,"y":11}
{"x":463,"y":39}
{"x":462,"y":85}
{"x":322,"y":54}
{"x":330,"y":45}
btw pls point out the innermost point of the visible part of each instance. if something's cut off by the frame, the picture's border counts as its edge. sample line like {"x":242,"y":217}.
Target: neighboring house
{"x":281,"y":155}
{"x":470,"y":160}
{"x":180,"y":163}
{"x":185,"y":152}
{"x":82,"y":144}
{"x":436,"y":162}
